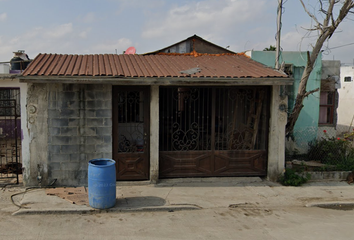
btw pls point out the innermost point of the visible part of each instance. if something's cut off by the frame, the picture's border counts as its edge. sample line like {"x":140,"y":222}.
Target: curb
{"x":323,"y":204}
{"x":94,"y":211}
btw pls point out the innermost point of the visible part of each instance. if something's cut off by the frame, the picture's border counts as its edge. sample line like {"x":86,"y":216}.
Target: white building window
{"x":347,"y":79}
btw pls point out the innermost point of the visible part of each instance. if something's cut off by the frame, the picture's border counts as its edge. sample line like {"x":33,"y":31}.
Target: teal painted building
{"x":306,"y":127}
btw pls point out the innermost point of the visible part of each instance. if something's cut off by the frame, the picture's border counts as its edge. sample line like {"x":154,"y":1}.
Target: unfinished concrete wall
{"x":79,"y":129}
{"x":36,"y":167}
{"x":276,"y":149}
{"x":154,"y":134}
{"x":76,"y":127}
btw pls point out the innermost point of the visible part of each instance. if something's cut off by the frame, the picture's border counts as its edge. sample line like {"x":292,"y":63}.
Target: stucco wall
{"x":306,"y":127}
{"x":345,"y":109}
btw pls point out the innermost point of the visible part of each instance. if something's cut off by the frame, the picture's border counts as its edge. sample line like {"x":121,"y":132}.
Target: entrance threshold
{"x":211,"y":180}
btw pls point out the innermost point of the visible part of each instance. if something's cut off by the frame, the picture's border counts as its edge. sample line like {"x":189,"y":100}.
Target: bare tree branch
{"x":311,"y":29}
{"x":310,"y":14}
{"x":326,"y":29}
{"x":329,"y":14}
{"x":310,"y":92}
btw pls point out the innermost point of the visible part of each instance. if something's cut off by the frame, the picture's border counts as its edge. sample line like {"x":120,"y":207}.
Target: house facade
{"x":329,"y":99}
{"x":312,"y":118}
{"x":319,"y":117}
{"x":345,"y":113}
{"x":192,"y":45}
{"x":12,"y":122}
{"x":157,"y":116}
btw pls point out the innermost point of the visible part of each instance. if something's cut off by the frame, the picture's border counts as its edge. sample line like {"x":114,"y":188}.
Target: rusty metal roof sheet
{"x":149,"y":66}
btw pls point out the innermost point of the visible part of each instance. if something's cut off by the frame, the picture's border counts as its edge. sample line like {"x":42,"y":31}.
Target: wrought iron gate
{"x":10,"y":134}
{"x":213,"y":131}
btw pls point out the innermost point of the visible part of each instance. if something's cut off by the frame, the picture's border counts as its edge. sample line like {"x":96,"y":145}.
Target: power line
{"x":341,"y":46}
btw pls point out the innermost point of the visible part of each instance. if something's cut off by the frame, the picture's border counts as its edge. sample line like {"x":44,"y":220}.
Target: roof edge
{"x":160,"y":81}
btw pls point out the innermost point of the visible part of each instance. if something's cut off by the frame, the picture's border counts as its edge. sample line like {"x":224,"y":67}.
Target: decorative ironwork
{"x":130,"y":122}
{"x":188,"y":123}
{"x":10,"y":134}
{"x":132,"y":140}
{"x":185,"y":140}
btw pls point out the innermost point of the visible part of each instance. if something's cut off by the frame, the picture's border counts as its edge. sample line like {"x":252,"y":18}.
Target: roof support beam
{"x":162,"y":81}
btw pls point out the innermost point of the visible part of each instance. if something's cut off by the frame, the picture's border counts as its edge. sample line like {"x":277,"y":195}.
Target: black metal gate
{"x":10,"y":134}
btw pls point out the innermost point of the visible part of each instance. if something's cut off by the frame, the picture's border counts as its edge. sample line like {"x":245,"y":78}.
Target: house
{"x":329,"y":99}
{"x":157,"y":115}
{"x":193,"y":44}
{"x":345,"y":113}
{"x":319,"y":112}
{"x":12,"y":116}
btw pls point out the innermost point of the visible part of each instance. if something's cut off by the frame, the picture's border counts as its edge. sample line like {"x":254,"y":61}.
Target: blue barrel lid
{"x":102,"y":162}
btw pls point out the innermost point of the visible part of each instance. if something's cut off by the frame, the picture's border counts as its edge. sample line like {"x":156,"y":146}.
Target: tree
{"x":325,"y":29}
{"x":271,"y":48}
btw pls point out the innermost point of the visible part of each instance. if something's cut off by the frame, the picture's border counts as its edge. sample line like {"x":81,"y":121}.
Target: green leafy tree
{"x":271,"y":48}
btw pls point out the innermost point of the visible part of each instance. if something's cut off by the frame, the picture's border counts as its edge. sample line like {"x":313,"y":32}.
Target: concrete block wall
{"x":79,"y":129}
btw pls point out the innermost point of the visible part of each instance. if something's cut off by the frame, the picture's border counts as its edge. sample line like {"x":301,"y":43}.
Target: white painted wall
{"x":4,"y":68}
{"x":345,"y":109}
{"x":15,"y":83}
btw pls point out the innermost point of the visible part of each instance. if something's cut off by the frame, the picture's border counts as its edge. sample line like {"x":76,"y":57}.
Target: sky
{"x":112,"y":26}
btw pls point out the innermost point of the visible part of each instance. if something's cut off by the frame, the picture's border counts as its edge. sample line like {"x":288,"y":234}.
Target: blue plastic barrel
{"x":102,"y":183}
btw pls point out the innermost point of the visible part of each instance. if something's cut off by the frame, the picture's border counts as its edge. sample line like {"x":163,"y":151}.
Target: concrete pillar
{"x":37,"y":130}
{"x":276,"y":149}
{"x":154,"y":134}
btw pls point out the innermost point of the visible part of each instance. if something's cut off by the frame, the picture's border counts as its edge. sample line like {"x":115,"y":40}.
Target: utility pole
{"x":277,"y":50}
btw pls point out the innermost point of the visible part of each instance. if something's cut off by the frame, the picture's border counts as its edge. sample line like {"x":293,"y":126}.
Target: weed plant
{"x":293,"y":178}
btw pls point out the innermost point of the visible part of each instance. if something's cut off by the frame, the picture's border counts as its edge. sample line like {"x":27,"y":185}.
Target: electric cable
{"x":31,"y":189}
{"x":341,"y":46}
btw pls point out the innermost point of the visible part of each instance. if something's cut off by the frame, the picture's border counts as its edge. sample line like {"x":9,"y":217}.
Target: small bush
{"x":293,"y":178}
{"x":346,"y":165}
{"x":331,"y":151}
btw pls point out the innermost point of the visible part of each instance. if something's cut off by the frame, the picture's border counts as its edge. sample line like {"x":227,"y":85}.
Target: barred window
{"x":9,"y":101}
{"x":347,"y":79}
{"x":326,"y":107}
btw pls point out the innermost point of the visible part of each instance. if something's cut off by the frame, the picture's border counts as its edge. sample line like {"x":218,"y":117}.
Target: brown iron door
{"x":131,"y":132}
{"x":207,"y":132}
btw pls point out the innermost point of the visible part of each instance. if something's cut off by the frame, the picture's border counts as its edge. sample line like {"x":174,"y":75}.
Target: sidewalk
{"x":193,"y":194}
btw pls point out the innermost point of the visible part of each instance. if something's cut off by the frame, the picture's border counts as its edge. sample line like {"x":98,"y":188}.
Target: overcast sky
{"x":107,"y":26}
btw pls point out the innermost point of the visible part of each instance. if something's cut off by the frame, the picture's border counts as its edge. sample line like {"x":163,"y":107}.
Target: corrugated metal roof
{"x":149,"y":66}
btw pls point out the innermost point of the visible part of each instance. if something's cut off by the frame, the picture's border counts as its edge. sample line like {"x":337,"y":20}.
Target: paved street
{"x":228,"y":217}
